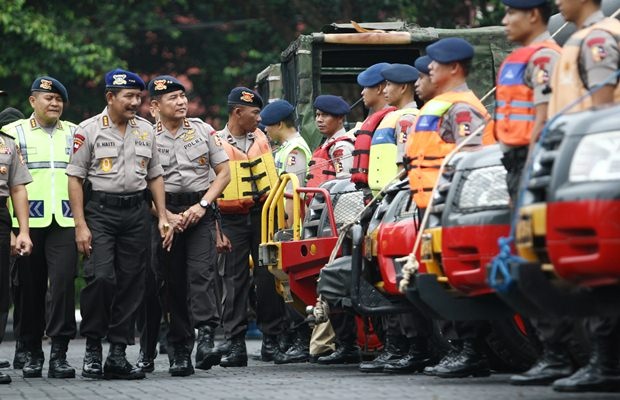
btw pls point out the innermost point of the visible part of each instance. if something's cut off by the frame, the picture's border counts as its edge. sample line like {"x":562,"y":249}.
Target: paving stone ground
{"x":266,"y":381}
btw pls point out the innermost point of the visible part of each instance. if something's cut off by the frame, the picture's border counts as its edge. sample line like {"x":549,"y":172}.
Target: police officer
{"x":7,"y":116}
{"x":424,"y":88}
{"x":13,"y":177}
{"x":48,"y":275}
{"x":334,"y":158}
{"x":188,"y":148}
{"x":292,"y":156}
{"x":241,"y":204}
{"x":521,"y":113}
{"x":589,"y":58}
{"x":443,"y":122}
{"x":115,"y":151}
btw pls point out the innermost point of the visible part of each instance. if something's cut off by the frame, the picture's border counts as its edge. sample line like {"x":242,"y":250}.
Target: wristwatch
{"x":204,"y":203}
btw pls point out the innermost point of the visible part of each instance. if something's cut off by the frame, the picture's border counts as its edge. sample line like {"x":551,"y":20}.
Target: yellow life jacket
{"x":252,"y":175}
{"x":384,"y":150}
{"x":566,"y":81}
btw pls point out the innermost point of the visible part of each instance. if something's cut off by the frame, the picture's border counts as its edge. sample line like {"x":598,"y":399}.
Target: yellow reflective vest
{"x":46,"y":157}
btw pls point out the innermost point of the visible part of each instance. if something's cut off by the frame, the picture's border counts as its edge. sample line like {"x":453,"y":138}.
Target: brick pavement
{"x":266,"y":381}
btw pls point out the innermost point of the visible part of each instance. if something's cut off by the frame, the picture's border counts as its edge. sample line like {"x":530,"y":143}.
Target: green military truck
{"x":328,"y":62}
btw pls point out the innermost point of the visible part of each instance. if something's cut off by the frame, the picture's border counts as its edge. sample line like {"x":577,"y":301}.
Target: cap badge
{"x":46,"y":84}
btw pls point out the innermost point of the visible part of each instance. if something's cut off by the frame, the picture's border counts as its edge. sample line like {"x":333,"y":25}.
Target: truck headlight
{"x":597,"y":158}
{"x":483,"y":188}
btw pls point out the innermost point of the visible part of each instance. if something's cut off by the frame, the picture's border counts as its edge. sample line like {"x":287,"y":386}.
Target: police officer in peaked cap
{"x":188,"y":149}
{"x":116,"y":152}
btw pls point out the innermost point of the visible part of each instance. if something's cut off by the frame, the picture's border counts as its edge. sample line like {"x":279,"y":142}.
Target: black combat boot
{"x":449,"y":358}
{"x":238,"y":355}
{"x":34,"y":363}
{"x":92,"y":366}
{"x":417,"y":358}
{"x":602,"y":374}
{"x":299,"y":352}
{"x":553,"y":364}
{"x":4,"y":379}
{"x":4,"y":363}
{"x":21,"y":354}
{"x":182,"y":364}
{"x":469,"y":362}
{"x":346,"y":353}
{"x":223,"y":348}
{"x":145,"y":363}
{"x":393,"y":350}
{"x":206,"y":354}
{"x":59,"y":367}
{"x":117,"y":367}
{"x":269,"y":348}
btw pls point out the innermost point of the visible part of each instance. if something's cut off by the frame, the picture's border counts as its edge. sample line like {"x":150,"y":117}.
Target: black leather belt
{"x":119,"y":200}
{"x":184,"y":199}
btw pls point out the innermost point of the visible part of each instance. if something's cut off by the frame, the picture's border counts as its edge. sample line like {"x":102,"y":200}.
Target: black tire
{"x":510,"y":349}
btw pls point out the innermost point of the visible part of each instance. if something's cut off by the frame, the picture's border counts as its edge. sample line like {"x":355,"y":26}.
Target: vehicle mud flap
{"x":454,"y":306}
{"x":512,"y":344}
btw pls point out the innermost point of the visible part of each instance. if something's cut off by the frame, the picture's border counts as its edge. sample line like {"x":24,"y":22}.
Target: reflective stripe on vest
{"x":383,"y":165}
{"x":515,"y":111}
{"x":566,"y":79}
{"x":46,"y":157}
{"x":252,"y":175}
{"x":281,"y":156}
{"x":425,"y":147}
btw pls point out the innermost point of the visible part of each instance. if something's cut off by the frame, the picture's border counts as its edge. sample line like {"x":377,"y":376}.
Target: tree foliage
{"x":212,"y":46}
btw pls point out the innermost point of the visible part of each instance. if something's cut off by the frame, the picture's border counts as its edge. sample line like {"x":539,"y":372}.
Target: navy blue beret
{"x":9,"y":115}
{"x":331,"y":104}
{"x":121,"y":79}
{"x":422,"y":64}
{"x":163,"y":84}
{"x":275,"y":112}
{"x":50,"y":85}
{"x":371,"y":76}
{"x":400,"y":73}
{"x":524,"y":4}
{"x":245,"y":97}
{"x":450,"y":50}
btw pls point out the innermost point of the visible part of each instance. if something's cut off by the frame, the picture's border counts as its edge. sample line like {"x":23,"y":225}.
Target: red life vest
{"x":321,"y":166}
{"x":363,"y":141}
{"x":515,"y":112}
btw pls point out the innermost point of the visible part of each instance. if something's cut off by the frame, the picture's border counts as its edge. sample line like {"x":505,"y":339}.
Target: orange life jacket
{"x":363,"y":141}
{"x":515,"y":113}
{"x":566,"y":79}
{"x":426,"y":149}
{"x":321,"y":166}
{"x":252,"y":175}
